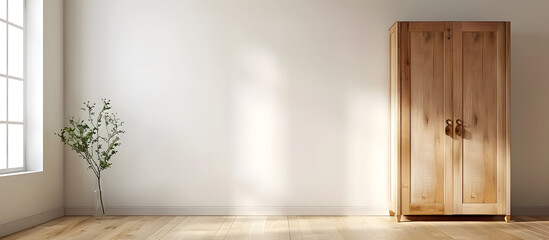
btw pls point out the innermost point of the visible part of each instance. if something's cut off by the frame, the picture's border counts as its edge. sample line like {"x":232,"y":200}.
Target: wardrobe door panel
{"x":479,"y":117}
{"x":427,"y":117}
{"x":480,"y":98}
{"x":426,"y":57}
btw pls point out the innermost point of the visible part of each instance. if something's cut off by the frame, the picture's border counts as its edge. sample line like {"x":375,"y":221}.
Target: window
{"x":12,"y":85}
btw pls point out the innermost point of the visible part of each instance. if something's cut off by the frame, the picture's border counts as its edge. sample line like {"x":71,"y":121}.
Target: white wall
{"x":270,"y":103}
{"x":38,"y":196}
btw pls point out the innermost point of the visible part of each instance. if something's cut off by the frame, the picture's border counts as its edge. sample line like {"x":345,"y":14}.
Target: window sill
{"x":19,"y":173}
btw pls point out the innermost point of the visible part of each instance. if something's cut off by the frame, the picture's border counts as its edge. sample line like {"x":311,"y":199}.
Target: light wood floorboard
{"x":282,"y":227}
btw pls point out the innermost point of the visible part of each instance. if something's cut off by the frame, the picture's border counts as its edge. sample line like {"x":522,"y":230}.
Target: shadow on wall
{"x":529,"y":124}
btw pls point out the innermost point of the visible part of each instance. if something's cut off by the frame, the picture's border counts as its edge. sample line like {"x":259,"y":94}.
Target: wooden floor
{"x":281,"y":227}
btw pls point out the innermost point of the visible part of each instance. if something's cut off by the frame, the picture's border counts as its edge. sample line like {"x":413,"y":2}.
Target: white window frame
{"x":8,"y":77}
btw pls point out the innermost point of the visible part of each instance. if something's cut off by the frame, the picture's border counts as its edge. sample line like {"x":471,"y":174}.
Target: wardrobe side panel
{"x":394,"y":194}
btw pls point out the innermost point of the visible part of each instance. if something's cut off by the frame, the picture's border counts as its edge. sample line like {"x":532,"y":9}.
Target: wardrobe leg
{"x":507,"y":218}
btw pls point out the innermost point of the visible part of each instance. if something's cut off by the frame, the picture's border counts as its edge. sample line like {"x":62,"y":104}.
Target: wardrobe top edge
{"x":397,"y":22}
{"x":452,"y":21}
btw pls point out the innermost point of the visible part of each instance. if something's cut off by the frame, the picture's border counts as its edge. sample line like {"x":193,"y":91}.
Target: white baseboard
{"x":530,"y":210}
{"x":231,"y":211}
{"x":145,"y":210}
{"x":18,"y":225}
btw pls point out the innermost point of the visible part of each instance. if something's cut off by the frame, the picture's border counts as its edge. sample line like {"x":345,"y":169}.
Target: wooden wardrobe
{"x":450,"y":148}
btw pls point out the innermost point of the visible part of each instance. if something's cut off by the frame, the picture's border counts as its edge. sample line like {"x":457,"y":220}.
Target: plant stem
{"x":100,"y":194}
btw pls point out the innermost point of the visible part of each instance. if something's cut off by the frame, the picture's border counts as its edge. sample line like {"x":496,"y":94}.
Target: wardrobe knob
{"x":459,"y":127}
{"x":448,"y":128}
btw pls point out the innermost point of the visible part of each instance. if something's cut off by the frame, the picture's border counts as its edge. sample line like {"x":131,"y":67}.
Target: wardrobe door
{"x":480,"y":69}
{"x":426,"y":105}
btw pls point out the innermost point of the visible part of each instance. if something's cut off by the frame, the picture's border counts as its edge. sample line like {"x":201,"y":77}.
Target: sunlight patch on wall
{"x":260,"y":129}
{"x":366,"y":163}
